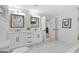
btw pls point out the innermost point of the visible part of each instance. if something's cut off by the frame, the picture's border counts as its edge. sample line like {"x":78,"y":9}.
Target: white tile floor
{"x":50,"y":47}
{"x":74,"y":49}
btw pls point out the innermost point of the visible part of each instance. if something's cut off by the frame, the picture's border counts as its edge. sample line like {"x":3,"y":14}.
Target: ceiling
{"x":48,"y":9}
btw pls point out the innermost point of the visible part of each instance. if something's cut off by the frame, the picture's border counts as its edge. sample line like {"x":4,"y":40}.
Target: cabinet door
{"x":37,"y":36}
{"x":14,"y":40}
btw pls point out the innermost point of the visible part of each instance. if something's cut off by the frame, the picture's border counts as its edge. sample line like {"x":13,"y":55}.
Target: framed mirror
{"x":17,"y":21}
{"x":34,"y":22}
{"x":3,"y":10}
{"x":4,"y":13}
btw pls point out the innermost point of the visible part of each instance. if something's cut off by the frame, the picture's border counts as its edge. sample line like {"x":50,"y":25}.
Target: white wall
{"x":3,"y":29}
{"x":78,"y":24}
{"x":64,"y":34}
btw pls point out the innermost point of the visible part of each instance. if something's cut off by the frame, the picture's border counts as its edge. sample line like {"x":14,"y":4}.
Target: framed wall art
{"x":17,"y":21}
{"x":34,"y":22}
{"x":66,"y":23}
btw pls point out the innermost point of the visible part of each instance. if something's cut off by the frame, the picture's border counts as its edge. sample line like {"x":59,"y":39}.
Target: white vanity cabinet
{"x":19,"y":39}
{"x":24,"y":38}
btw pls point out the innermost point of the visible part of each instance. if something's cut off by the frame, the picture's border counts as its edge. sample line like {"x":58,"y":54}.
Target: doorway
{"x":51,"y":30}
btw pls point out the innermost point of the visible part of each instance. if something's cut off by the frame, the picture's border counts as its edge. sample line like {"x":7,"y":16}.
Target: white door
{"x":53,"y":29}
{"x":43,"y":23}
{"x":43,"y":27}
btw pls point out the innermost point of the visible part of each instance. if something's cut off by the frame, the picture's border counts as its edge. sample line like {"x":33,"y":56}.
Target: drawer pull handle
{"x":17,"y":39}
{"x":29,"y":42}
{"x":28,"y":37}
{"x":28,"y":33}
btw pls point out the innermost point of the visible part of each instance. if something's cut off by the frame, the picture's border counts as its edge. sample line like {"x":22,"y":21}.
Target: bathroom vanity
{"x":27,"y":38}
